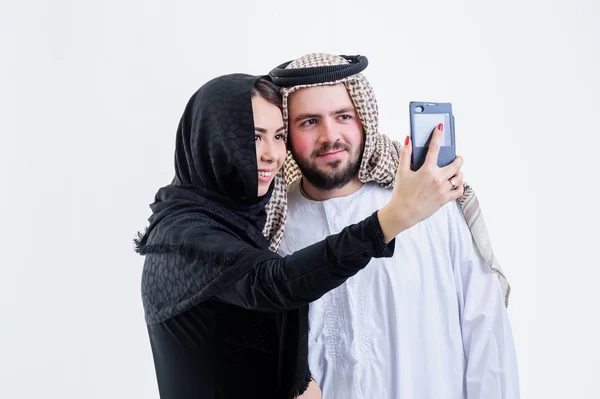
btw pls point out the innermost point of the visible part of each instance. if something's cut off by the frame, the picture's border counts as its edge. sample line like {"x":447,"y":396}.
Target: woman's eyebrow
{"x":263,"y":130}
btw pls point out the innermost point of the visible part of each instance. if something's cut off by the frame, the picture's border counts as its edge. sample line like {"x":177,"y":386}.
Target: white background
{"x":90,"y":97}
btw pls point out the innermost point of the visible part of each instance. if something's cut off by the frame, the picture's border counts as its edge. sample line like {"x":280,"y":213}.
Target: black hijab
{"x":211,"y":210}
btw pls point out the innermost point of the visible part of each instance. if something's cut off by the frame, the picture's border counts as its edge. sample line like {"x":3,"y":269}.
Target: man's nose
{"x":329,"y":132}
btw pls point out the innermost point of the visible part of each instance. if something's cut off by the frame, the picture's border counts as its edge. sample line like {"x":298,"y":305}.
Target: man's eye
{"x":345,"y":117}
{"x":309,"y":122}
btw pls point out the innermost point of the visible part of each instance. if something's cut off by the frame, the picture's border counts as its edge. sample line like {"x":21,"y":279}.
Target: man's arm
{"x":491,"y":363}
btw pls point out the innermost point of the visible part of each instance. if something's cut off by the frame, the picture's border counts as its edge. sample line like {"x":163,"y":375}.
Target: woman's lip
{"x":265,"y":179}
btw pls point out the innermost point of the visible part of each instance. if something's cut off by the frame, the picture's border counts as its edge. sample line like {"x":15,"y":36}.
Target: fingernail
{"x":407,"y":140}
{"x":440,"y":127}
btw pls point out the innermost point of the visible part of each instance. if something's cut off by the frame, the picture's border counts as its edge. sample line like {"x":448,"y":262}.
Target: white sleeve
{"x":491,"y":362}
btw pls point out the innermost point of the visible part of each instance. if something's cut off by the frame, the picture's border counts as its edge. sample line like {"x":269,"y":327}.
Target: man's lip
{"x":330,"y":153}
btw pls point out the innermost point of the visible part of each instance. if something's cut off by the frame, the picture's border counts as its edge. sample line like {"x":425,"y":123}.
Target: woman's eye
{"x":256,"y":137}
{"x":279,"y":137}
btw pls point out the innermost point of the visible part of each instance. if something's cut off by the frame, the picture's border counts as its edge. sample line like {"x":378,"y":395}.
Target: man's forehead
{"x":320,"y":97}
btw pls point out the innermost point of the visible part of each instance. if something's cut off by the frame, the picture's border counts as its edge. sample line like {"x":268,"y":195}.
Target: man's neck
{"x":318,"y":194}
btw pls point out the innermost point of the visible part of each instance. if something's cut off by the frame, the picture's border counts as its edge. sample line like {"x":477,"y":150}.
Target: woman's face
{"x":269,"y":134}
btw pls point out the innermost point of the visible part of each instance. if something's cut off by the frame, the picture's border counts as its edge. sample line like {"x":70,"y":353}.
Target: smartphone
{"x":424,"y":117}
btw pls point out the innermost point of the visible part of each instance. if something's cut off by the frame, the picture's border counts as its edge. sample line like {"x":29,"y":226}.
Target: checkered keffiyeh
{"x":379,"y":163}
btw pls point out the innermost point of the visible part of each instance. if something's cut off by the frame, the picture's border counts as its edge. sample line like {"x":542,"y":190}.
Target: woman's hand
{"x":418,"y":195}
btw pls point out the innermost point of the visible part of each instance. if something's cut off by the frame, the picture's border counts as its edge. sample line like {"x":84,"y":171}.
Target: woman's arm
{"x":312,"y":392}
{"x":276,"y":283}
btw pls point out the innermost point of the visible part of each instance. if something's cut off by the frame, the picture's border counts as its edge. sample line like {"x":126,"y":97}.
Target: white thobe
{"x":429,"y":322}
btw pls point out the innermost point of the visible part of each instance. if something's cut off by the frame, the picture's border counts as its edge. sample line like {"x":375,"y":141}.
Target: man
{"x":430,"y":322}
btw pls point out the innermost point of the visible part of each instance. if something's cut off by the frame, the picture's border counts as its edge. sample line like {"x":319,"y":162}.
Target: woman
{"x":227,"y":317}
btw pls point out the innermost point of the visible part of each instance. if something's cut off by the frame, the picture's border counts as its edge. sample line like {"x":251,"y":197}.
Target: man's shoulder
{"x":445,"y":219}
{"x":372,"y":193}
{"x":376,"y":188}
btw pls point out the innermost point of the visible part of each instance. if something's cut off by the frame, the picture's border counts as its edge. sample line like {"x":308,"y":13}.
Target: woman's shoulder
{"x":176,"y":279}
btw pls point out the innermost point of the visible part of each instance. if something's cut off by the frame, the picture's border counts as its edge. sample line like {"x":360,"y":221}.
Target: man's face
{"x":325,"y":135}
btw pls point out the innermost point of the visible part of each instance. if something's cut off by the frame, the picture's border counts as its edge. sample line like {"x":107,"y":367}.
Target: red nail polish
{"x":440,"y":127}
{"x":407,"y":140}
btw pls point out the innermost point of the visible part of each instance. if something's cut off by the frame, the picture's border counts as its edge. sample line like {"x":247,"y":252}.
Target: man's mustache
{"x":328,"y":147}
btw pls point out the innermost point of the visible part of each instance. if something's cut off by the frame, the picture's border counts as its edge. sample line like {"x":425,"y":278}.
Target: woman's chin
{"x":263,"y":189}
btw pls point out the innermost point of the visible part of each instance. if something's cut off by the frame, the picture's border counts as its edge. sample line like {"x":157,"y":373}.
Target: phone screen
{"x":423,"y":126}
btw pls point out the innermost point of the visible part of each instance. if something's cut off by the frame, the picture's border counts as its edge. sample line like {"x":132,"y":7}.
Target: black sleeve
{"x":278,"y":283}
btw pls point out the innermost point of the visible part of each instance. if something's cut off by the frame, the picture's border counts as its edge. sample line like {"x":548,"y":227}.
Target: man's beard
{"x":338,"y":176}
